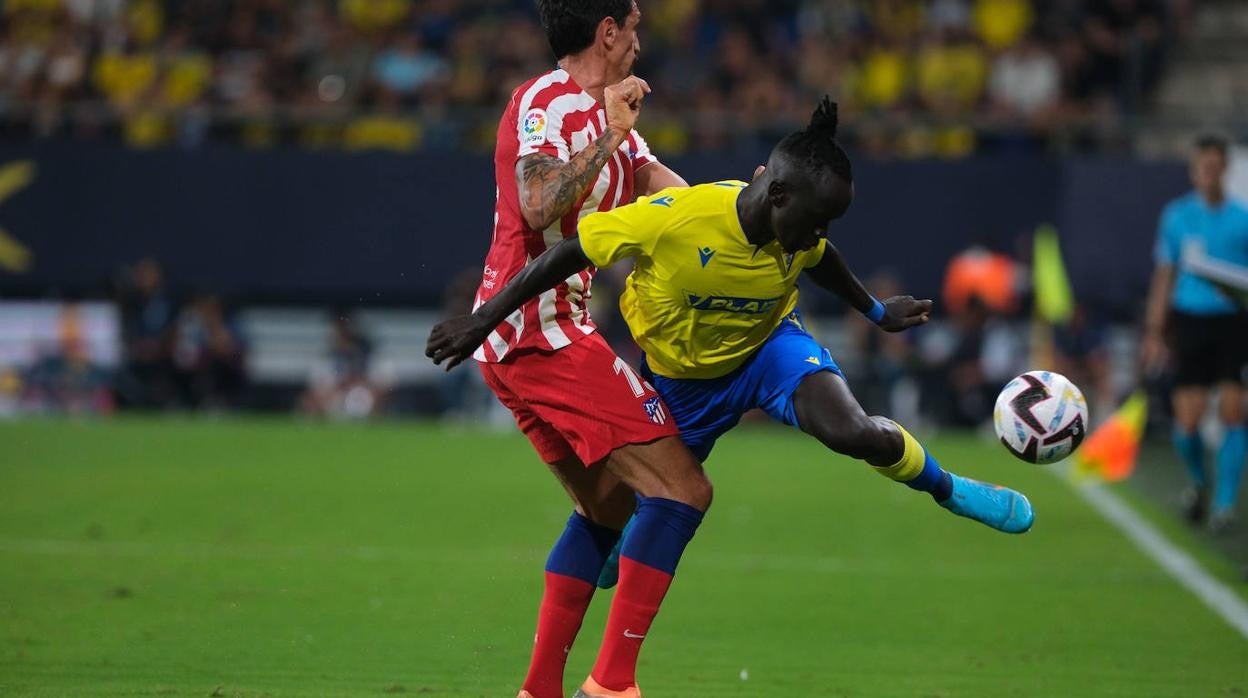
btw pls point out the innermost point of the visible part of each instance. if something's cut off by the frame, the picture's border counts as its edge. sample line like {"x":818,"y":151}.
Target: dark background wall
{"x":380,"y":228}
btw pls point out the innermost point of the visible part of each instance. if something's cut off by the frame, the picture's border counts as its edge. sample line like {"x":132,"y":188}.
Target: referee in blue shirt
{"x":1202,"y":329}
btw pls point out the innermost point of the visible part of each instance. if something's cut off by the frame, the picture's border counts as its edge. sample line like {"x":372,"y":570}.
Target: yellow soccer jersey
{"x":701,"y":298}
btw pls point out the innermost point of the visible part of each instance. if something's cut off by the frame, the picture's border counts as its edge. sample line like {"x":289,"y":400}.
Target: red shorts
{"x":581,"y":399}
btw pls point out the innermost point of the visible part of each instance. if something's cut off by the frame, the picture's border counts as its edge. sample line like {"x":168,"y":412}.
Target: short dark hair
{"x":1210,"y":141}
{"x":816,"y":148}
{"x":570,"y":25}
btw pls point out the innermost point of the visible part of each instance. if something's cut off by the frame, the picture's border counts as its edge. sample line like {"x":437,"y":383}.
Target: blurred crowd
{"x":917,"y":77}
{"x":193,"y":352}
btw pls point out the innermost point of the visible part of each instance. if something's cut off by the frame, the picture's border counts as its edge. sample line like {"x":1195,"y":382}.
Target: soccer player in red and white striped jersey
{"x":566,"y":148}
{"x":549,"y":120}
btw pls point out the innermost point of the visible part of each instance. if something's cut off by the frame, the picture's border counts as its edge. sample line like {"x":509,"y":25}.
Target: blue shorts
{"x":705,"y":409}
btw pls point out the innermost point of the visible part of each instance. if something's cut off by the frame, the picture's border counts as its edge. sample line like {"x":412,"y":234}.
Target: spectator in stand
{"x":405,"y":69}
{"x":1125,"y":41}
{"x":1026,"y":83}
{"x":951,"y":71}
{"x":1002,"y":23}
{"x":884,"y":76}
{"x":298,"y":70}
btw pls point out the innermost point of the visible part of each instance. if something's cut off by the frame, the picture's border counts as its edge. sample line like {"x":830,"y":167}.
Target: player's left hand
{"x":904,"y":312}
{"x":455,"y":339}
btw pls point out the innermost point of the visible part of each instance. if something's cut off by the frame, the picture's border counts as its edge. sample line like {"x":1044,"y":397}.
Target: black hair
{"x":816,"y":148}
{"x":1211,"y":141}
{"x":570,"y":25}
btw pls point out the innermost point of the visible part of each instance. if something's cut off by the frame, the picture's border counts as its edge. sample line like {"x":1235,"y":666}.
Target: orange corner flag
{"x":1109,"y":453}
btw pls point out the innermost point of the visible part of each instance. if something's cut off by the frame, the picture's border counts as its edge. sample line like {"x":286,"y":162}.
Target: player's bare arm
{"x":550,"y":187}
{"x":900,"y":312}
{"x":455,"y":339}
{"x":655,"y":177}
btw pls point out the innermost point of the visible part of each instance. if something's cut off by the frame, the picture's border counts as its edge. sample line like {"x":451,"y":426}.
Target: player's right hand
{"x":455,"y":339}
{"x":623,"y":103}
{"x":904,"y":312}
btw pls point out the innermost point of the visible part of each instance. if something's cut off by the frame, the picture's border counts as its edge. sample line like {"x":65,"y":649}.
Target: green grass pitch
{"x":273,"y":558}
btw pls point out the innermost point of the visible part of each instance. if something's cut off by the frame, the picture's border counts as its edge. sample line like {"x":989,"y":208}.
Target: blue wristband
{"x":876,"y":313}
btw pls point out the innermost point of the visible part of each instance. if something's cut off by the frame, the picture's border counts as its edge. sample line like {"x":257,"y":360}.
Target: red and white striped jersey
{"x":549,"y":114}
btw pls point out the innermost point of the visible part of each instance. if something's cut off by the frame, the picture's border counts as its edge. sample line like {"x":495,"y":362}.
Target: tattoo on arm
{"x":550,"y":187}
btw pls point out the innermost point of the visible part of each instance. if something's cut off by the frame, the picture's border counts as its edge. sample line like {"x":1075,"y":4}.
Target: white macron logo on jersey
{"x":533,"y":128}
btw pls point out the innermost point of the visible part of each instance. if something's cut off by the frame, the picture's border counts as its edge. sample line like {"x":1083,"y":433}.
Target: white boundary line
{"x":1220,"y":598}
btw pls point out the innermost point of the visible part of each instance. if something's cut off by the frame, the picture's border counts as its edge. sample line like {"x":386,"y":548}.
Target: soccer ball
{"x":1041,"y":417}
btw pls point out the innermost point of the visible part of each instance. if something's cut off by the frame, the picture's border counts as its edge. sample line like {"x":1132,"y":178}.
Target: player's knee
{"x":698,"y":492}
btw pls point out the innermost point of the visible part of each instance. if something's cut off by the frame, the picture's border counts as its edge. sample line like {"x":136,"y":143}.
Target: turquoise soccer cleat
{"x":992,"y":505}
{"x":610,"y":573}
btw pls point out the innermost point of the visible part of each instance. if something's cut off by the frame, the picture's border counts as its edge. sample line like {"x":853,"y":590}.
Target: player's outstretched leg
{"x":572,"y":568}
{"x":674,"y":495}
{"x":826,"y":409}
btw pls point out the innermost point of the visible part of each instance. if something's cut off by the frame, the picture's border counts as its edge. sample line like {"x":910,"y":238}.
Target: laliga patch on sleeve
{"x":533,"y":128}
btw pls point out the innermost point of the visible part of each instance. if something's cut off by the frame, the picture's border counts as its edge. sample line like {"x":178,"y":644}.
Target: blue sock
{"x":659,"y":532}
{"x":1191,"y":448}
{"x":1231,"y":455}
{"x":582,"y":549}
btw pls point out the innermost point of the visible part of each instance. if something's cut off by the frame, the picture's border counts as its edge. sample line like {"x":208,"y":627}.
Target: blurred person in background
{"x":1081,"y":353}
{"x":148,"y":312}
{"x":1125,"y":38}
{"x":65,"y":380}
{"x":209,"y":355}
{"x":344,"y":388}
{"x":1026,"y":84}
{"x":981,"y":288}
{"x":464,"y":395}
{"x":405,"y":68}
{"x":1204,"y":330}
{"x":884,"y":358}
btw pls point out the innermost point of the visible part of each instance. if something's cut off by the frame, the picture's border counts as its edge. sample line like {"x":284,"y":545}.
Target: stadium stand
{"x":943,"y":77}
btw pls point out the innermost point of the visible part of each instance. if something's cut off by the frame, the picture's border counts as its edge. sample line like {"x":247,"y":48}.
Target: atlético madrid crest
{"x":655,"y":411}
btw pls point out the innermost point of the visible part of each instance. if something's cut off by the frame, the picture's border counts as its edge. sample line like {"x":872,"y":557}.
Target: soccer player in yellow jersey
{"x":712,"y":300}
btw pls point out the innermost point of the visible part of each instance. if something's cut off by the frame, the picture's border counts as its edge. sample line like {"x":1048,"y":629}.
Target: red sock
{"x":564,"y":603}
{"x":637,"y":598}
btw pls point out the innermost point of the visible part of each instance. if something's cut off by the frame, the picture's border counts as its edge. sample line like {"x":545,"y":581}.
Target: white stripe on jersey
{"x":500,"y":347}
{"x":558,"y":109}
{"x":619,"y":191}
{"x":479,"y":354}
{"x":556,"y":77}
{"x":576,"y":300}
{"x":550,"y":323}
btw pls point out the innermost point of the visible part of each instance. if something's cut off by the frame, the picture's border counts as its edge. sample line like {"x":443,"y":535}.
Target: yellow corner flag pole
{"x":1053,"y":296}
{"x":1055,"y":301}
